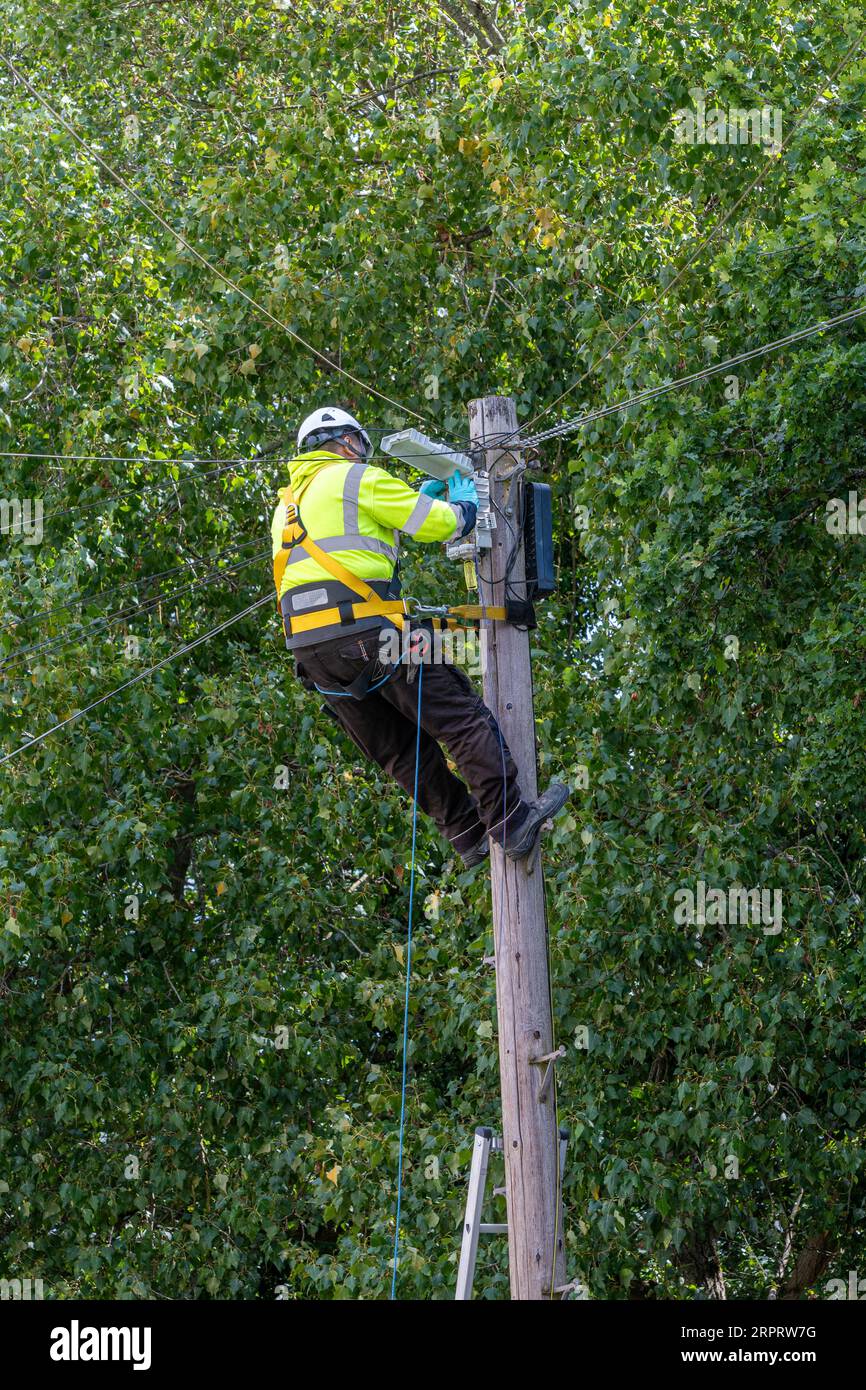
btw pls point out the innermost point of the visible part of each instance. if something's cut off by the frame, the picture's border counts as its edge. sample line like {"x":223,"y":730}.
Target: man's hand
{"x":434,"y":487}
{"x":462,"y":489}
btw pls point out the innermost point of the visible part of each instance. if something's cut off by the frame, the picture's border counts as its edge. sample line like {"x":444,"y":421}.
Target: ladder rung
{"x":492,"y":1229}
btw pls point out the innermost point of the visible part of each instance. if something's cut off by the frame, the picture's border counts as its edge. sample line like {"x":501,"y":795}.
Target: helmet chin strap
{"x":346,"y":441}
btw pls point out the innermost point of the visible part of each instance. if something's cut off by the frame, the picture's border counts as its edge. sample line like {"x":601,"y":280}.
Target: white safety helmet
{"x":330,"y":423}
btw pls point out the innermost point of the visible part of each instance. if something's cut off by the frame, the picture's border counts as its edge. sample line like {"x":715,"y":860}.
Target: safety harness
{"x":370,"y":605}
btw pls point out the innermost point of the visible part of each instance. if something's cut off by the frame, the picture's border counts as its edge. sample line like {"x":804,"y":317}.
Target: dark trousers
{"x":384,"y":726}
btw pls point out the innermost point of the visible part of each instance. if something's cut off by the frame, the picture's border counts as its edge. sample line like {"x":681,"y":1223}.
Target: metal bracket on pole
{"x":565,"y":1289}
{"x":550,"y":1058}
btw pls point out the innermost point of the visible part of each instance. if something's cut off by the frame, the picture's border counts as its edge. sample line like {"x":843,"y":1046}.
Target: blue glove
{"x":434,"y":487}
{"x":462,"y":489}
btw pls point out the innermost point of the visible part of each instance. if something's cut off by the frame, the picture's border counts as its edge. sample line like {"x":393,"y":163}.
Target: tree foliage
{"x":446,"y":201}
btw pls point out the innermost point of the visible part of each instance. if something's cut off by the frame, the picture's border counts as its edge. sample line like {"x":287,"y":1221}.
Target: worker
{"x":335,"y":550}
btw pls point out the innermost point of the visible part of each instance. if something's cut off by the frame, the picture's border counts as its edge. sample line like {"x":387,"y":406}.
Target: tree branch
{"x":484,"y":21}
{"x":810,"y":1265}
{"x":464,"y":25}
{"x":397,"y":86}
{"x":699,"y":1258}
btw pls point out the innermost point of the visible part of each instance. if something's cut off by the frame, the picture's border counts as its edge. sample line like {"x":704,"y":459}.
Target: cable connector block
{"x":464,"y":549}
{"x":467,"y":547}
{"x":485,"y":521}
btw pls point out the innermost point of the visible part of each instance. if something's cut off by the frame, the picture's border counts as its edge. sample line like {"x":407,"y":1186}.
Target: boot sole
{"x":546,"y":824}
{"x":480,"y":859}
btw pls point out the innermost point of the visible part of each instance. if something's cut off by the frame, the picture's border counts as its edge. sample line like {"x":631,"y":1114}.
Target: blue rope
{"x":406,"y":1001}
{"x":345,"y":694}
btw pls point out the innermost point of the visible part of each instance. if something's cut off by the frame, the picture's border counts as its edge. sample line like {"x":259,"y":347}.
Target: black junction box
{"x":538,"y":540}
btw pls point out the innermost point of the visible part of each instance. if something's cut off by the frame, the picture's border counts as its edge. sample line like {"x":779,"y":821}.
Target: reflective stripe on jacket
{"x":354,"y":512}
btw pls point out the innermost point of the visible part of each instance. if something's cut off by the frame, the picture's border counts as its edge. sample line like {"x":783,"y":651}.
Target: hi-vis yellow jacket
{"x":352,"y":512}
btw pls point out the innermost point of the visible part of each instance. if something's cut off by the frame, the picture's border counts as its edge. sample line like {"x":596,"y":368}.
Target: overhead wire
{"x":137,"y":491}
{"x":652,"y":392}
{"x":271,"y":455}
{"x":92,"y":153}
{"x":130,"y":583}
{"x":134,"y":680}
{"x":78,"y":630}
{"x":711,"y":235}
{"x":114,"y":458}
{"x":227,"y":466}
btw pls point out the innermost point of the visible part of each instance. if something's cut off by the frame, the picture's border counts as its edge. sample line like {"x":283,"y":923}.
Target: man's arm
{"x":418,"y":514}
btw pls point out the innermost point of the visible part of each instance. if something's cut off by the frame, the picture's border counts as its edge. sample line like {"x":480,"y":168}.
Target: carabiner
{"x":427,"y":609}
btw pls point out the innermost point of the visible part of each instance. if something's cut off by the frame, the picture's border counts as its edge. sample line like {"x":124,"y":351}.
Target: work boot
{"x":477,"y":853}
{"x":525,"y":837}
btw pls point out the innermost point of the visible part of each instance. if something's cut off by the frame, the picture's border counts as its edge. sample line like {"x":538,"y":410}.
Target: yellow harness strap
{"x":475,"y":611}
{"x":326,"y":617}
{"x":294,"y":533}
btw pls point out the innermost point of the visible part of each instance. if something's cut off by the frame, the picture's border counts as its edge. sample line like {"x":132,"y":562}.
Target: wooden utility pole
{"x":529,"y":1131}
